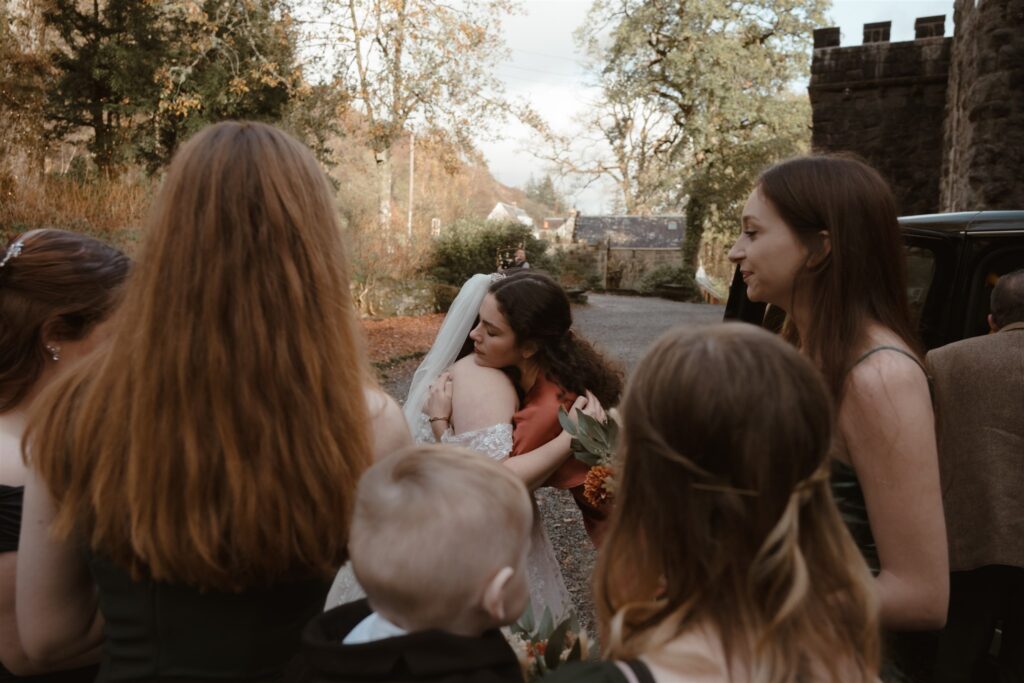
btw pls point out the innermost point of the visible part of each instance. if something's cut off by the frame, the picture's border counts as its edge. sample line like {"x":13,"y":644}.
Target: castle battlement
{"x":941,"y":117}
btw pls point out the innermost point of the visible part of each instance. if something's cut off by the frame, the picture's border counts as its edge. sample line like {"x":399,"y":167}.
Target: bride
{"x":452,"y":399}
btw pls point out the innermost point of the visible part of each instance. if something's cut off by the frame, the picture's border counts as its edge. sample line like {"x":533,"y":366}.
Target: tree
{"x":696,"y":96}
{"x":422,"y":61}
{"x":25,"y":79}
{"x":223,"y":59}
{"x":143,"y":74}
{"x":106,"y":64}
{"x":543,"y":191}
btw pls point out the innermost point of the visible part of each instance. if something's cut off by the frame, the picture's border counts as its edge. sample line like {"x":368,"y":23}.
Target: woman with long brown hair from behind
{"x":56,"y":290}
{"x":726,"y":558}
{"x":205,"y":459}
{"x":821,"y":242}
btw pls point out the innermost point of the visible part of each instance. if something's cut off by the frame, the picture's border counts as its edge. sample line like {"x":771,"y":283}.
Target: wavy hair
{"x":538,"y":310}
{"x":217,"y":440}
{"x":863,"y":277}
{"x":54,"y":284}
{"x":724,"y":518}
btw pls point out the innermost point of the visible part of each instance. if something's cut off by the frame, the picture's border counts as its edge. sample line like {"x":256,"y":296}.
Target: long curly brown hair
{"x":538,"y":310}
{"x":217,"y":439}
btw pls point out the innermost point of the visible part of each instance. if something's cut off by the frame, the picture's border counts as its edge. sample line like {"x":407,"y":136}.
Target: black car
{"x":953,"y":261}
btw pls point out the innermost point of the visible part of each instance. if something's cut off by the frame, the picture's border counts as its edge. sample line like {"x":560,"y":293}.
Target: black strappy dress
{"x":908,"y":656}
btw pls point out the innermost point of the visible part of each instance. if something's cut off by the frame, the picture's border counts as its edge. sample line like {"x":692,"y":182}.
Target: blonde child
{"x":439,"y":541}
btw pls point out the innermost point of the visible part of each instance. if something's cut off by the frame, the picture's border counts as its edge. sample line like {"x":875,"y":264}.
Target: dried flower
{"x":599,"y":485}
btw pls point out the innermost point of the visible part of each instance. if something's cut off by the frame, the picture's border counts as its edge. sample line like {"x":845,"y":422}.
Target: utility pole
{"x":412,"y":171}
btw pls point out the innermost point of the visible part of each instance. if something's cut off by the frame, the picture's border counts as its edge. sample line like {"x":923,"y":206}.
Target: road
{"x":624,"y":326}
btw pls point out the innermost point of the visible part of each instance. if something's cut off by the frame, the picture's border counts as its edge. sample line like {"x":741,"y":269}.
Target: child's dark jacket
{"x":425,"y":656}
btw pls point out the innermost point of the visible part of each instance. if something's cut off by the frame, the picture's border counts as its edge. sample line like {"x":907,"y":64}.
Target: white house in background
{"x":555,"y":229}
{"x":509,"y":212}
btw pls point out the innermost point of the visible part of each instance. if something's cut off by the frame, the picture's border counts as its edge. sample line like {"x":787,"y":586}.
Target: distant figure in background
{"x":979,"y":391}
{"x":520,"y":260}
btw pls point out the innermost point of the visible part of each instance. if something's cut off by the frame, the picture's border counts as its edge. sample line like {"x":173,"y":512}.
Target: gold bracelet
{"x":438,"y":419}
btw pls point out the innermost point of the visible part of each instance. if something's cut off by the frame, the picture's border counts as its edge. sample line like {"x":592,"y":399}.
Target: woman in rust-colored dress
{"x":525,"y":328}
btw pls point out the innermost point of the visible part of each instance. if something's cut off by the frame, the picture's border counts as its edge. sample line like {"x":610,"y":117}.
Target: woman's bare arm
{"x":12,"y":654}
{"x":57,"y":612}
{"x":888,"y":425}
{"x":388,"y":427}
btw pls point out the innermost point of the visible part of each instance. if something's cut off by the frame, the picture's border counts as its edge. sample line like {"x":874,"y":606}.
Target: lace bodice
{"x":495,"y":441}
{"x":544,"y":575}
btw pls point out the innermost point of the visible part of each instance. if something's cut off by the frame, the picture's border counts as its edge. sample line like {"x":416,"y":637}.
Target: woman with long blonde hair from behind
{"x":205,"y":460}
{"x":726,"y":559}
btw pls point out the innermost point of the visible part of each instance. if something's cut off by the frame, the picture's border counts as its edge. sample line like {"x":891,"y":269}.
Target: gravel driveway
{"x":622,"y":327}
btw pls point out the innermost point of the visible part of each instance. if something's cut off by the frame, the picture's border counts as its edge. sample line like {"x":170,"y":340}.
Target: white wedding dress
{"x":547,"y":587}
{"x":544,"y":576}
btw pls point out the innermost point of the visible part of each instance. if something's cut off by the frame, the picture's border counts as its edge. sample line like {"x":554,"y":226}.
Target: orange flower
{"x":598,"y":485}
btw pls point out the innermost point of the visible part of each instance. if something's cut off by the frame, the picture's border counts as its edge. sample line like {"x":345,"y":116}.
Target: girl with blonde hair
{"x":726,"y":558}
{"x":201,"y":467}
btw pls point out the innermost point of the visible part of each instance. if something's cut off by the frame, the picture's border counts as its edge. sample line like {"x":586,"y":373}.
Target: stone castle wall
{"x":984,"y":131}
{"x":886,"y":102}
{"x":941,"y":118}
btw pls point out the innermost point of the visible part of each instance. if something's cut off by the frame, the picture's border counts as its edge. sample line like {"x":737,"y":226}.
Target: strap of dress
{"x":635,"y":671}
{"x":928,"y":378}
{"x":891,"y":348}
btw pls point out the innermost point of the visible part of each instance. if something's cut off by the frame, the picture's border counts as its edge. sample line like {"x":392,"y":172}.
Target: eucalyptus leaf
{"x":566,"y":422}
{"x":553,"y":653}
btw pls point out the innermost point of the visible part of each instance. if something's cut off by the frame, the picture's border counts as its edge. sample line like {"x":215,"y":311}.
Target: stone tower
{"x":886,"y":102}
{"x":983,"y":165}
{"x":941,"y":118}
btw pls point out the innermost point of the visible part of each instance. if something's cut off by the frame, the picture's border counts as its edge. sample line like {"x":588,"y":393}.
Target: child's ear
{"x":494,"y":594}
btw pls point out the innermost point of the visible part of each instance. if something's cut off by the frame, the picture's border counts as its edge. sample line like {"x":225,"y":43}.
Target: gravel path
{"x":623,"y":327}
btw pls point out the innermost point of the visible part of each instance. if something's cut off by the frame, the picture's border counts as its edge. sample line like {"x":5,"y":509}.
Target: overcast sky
{"x":545,"y":69}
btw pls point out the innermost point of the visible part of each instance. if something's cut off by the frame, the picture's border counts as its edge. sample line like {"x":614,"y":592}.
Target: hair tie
{"x":13,"y":252}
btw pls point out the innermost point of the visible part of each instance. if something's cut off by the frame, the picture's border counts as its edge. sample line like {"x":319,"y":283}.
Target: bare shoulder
{"x":470,"y":378}
{"x":389,"y":429}
{"x":885,"y":377}
{"x":377,"y":401}
{"x":467,"y":368}
{"x":12,"y":467}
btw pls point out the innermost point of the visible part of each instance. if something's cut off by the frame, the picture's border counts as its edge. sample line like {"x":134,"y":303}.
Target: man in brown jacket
{"x":979,"y":395}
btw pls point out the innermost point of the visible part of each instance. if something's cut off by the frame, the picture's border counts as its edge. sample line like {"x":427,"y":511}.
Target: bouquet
{"x":593,"y":444}
{"x":543,"y":647}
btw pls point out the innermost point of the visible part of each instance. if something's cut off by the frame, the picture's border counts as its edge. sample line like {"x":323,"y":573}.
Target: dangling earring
{"x":54,"y":351}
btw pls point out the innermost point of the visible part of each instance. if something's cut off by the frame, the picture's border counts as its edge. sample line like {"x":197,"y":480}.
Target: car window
{"x":993,"y":265}
{"x":920,"y":274}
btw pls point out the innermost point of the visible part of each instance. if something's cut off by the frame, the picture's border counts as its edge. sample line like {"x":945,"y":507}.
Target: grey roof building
{"x":631,"y":232}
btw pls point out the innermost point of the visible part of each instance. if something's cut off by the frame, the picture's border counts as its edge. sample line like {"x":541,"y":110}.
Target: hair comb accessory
{"x":495,"y":277}
{"x":13,"y":251}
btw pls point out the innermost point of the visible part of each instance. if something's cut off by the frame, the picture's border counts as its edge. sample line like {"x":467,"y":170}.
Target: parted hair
{"x":724,"y":518}
{"x":538,"y":311}
{"x":863,"y":277}
{"x":1007,"y":302}
{"x":432,"y":525}
{"x":217,"y":440}
{"x":59,"y":285}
